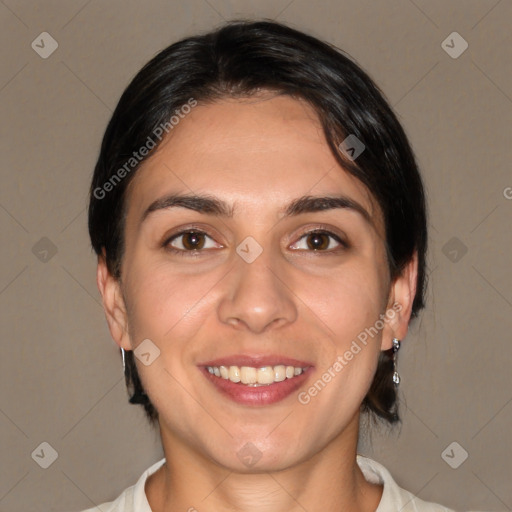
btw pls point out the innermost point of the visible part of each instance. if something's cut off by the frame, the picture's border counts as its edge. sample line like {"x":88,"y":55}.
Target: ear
{"x":113,"y":304}
{"x":399,"y":307}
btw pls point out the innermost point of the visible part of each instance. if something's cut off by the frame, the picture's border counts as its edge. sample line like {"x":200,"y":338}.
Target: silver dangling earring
{"x":396,"y":347}
{"x":124,"y":362}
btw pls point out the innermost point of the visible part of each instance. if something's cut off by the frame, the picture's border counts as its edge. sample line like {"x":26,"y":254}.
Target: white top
{"x":133,"y":499}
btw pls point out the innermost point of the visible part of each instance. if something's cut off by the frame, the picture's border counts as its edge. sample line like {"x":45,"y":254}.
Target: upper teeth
{"x":255,"y":376}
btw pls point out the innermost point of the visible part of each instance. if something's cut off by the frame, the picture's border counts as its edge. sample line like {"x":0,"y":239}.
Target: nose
{"x":257,"y":296}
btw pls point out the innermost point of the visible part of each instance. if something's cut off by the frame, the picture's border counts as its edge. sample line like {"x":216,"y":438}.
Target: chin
{"x":257,"y":454}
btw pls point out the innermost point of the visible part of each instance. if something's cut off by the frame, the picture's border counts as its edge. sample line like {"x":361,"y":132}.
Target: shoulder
{"x":394,"y":496}
{"x":132,"y":499}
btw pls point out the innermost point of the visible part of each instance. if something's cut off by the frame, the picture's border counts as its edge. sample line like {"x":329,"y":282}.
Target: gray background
{"x":61,"y":375}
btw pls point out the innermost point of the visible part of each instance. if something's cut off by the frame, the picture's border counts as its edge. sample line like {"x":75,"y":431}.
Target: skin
{"x":257,"y":155}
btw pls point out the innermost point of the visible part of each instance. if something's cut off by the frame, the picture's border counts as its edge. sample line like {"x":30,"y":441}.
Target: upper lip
{"x":256,"y":361}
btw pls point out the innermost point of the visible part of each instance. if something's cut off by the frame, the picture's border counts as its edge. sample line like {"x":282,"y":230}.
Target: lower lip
{"x":257,"y":395}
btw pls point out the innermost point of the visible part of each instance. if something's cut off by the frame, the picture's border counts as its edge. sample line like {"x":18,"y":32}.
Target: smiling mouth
{"x":257,"y":386}
{"x":255,"y":377}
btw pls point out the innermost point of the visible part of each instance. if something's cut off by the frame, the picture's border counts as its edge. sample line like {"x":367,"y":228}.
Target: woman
{"x":260,"y":226}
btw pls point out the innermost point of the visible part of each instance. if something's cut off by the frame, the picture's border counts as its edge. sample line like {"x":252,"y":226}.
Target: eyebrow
{"x":213,"y":206}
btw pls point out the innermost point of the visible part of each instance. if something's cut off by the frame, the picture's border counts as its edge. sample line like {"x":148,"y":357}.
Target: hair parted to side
{"x":238,"y":60}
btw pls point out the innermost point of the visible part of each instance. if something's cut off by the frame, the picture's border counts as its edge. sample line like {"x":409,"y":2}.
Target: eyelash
{"x":195,"y":252}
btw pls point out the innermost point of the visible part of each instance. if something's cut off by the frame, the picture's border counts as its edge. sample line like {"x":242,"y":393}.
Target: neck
{"x":329,"y":481}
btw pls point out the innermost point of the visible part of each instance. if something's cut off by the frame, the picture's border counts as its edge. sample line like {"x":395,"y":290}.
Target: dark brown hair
{"x":238,"y":60}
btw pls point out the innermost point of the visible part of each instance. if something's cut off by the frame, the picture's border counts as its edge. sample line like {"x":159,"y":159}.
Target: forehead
{"x":244,"y":151}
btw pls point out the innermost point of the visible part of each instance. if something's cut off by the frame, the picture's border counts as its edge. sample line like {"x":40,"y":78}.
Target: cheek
{"x":348,"y":363}
{"x":163,"y":302}
{"x":348,"y":301}
{"x":170,"y":309}
{"x":349,"y":305}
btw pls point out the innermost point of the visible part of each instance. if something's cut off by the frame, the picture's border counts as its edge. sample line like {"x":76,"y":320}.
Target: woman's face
{"x":265,"y":281}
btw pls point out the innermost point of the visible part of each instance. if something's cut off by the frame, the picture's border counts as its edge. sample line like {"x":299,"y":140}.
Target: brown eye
{"x":189,"y":241}
{"x":317,"y":241}
{"x":193,"y":241}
